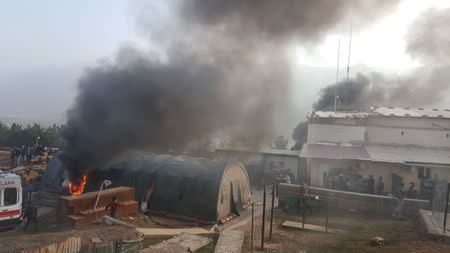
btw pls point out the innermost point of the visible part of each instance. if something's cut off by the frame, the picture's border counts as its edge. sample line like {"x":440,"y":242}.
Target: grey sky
{"x":46,"y":45}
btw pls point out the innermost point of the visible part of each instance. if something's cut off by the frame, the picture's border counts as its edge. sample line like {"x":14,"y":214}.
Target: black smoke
{"x":221,"y":67}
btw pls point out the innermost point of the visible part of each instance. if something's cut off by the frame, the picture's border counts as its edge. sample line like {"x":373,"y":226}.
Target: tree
{"x":16,"y":135}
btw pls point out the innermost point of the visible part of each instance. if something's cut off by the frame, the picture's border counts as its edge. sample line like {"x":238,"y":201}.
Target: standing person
{"x":28,"y":190}
{"x":30,"y":213}
{"x":399,"y":203}
{"x":12,"y":156}
{"x":24,"y":154}
{"x":114,"y":204}
{"x":380,"y":186}
{"x":29,"y":154}
{"x":371,"y":184}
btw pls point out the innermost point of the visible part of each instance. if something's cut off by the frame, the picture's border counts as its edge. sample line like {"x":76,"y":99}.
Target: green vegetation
{"x":17,"y":135}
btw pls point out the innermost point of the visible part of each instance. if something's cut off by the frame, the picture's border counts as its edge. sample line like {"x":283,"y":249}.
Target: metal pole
{"x":263,"y":218}
{"x":253,"y":215}
{"x":303,"y":214}
{"x":446,"y":206}
{"x":326,"y":219}
{"x":271,"y":211}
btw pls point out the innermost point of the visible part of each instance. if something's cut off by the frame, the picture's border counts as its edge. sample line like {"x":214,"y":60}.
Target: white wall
{"x":334,"y":133}
{"x":411,"y":136}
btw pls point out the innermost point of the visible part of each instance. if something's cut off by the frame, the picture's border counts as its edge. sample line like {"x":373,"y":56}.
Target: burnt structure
{"x":177,"y":186}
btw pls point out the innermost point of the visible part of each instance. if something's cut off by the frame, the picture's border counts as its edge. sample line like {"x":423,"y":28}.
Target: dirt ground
{"x":399,"y":236}
{"x":46,"y":232}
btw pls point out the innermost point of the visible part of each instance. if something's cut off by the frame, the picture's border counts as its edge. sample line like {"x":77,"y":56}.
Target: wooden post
{"x":271,"y":211}
{"x":253,"y":215}
{"x":263,"y":218}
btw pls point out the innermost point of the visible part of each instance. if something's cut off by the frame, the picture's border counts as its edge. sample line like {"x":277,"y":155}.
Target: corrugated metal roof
{"x":270,"y":151}
{"x":334,"y":152}
{"x":404,"y":154}
{"x":273,"y":151}
{"x":411,"y":112}
{"x":330,"y":114}
{"x":386,"y":111}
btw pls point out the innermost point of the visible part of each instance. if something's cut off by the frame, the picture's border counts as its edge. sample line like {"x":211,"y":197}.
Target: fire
{"x":77,"y":189}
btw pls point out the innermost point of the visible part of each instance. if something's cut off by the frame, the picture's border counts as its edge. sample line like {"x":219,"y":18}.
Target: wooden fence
{"x":70,"y":245}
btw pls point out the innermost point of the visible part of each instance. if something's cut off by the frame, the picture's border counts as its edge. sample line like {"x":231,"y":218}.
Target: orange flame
{"x":77,"y":189}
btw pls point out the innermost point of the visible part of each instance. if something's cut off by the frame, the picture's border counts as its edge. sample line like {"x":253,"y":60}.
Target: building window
{"x":402,"y":133}
{"x":276,"y":164}
{"x":446,"y":135}
{"x":423,"y":173}
{"x":420,"y":172}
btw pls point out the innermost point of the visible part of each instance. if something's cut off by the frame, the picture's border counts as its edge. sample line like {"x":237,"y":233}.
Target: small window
{"x":420,"y":172}
{"x":402,"y":133}
{"x":427,"y":175}
{"x":446,"y":135}
{"x":10,"y":196}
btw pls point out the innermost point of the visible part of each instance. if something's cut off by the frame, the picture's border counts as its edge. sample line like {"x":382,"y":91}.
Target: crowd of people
{"x":24,"y":154}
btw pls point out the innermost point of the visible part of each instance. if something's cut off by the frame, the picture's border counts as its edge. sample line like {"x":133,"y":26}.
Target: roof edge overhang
{"x":434,"y":165}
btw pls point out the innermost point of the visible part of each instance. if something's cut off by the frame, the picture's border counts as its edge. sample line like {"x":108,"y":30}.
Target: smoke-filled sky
{"x":47,"y":44}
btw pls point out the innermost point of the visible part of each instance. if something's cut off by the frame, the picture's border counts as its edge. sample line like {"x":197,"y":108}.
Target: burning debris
{"x":78,"y":187}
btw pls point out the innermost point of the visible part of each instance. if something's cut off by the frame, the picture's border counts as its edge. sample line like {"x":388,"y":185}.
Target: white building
{"x":402,"y":145}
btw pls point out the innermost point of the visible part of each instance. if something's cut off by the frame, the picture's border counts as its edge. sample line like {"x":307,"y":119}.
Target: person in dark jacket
{"x":371,"y":184}
{"x":114,"y":204}
{"x":30,"y":213}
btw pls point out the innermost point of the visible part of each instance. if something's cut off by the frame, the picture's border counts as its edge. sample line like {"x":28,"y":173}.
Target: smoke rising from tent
{"x":221,"y":66}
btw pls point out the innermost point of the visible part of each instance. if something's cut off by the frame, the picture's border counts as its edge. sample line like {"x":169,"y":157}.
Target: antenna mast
{"x":349,"y":47}
{"x":337,"y":76}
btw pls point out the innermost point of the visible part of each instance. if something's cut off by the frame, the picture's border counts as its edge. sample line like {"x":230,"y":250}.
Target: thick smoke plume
{"x":221,"y":67}
{"x":426,"y":41}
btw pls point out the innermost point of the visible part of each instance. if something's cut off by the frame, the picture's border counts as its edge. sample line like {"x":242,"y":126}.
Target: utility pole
{"x":349,"y":47}
{"x":337,"y":76}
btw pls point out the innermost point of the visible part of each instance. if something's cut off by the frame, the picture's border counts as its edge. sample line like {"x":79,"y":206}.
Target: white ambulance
{"x":10,"y":199}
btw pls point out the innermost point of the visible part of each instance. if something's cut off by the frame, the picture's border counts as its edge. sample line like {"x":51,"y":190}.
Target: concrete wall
{"x":341,"y":201}
{"x":335,"y":133}
{"x":411,"y":136}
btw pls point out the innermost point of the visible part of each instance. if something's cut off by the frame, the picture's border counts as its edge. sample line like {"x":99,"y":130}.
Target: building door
{"x":397,"y":182}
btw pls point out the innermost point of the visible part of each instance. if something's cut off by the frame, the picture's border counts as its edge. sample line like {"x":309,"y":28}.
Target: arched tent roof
{"x":182,"y":185}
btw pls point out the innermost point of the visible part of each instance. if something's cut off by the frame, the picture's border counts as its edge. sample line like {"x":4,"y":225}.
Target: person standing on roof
{"x":13,"y":157}
{"x":114,"y":204}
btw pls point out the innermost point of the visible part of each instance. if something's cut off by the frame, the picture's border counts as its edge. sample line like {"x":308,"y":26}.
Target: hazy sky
{"x":46,"y":44}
